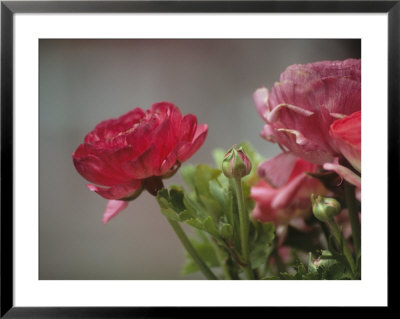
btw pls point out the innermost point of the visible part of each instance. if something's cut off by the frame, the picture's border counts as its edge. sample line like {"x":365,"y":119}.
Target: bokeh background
{"x":83,"y":82}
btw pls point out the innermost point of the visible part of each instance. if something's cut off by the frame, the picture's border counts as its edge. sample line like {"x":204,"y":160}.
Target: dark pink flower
{"x":135,"y":151}
{"x":299,"y":109}
{"x":281,"y":205}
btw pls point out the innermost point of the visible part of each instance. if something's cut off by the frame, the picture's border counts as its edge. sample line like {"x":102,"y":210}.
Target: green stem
{"x":279,"y":263}
{"x":222,"y":262}
{"x":353,"y":215}
{"x":191,"y":250}
{"x":340,"y":240}
{"x":325,"y":230}
{"x":244,"y":228}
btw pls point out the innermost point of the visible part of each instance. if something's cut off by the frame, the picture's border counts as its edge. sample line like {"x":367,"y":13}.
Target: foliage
{"x":210,"y":207}
{"x":322,"y":268}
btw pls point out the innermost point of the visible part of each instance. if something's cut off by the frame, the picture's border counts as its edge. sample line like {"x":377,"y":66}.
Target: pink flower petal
{"x":113,"y":208}
{"x":300,"y":139}
{"x":303,"y":147}
{"x":165,"y":140}
{"x":188,"y":127}
{"x":260,"y":98}
{"x":268,"y":133}
{"x":290,"y":110}
{"x":262,"y":193}
{"x":186,"y":150}
{"x":144,"y":165}
{"x":350,"y":68}
{"x":112,"y":127}
{"x":96,"y":170}
{"x":358,"y":194}
{"x":117,"y":191}
{"x":167,"y":164}
{"x":344,"y":172}
{"x":346,"y":133}
{"x":287,"y":193}
{"x":277,"y":170}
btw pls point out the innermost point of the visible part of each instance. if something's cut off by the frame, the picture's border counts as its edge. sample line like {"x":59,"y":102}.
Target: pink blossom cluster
{"x":314,"y":114}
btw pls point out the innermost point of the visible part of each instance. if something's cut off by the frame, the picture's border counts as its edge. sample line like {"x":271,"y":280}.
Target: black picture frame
{"x":9,"y":8}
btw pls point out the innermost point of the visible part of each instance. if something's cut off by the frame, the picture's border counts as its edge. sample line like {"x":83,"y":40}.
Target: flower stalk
{"x":244,"y":228}
{"x":191,"y":250}
{"x":353,"y":216}
{"x":237,"y":165}
{"x":337,"y":234}
{"x":325,"y":209}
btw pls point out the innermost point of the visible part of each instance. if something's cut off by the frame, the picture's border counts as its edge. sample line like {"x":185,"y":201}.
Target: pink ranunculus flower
{"x":283,"y":204}
{"x":135,"y":151}
{"x":299,"y":109}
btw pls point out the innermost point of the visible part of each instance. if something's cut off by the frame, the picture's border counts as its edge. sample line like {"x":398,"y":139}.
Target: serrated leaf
{"x":218,"y":156}
{"x":211,"y":206}
{"x":186,"y":215}
{"x":328,"y":267}
{"x":166,"y":206}
{"x":170,"y":214}
{"x":192,"y":205}
{"x":226,"y":231}
{"x":188,"y":174}
{"x":219,"y":193}
{"x":206,"y":251}
{"x":195,"y":223}
{"x":263,"y":237}
{"x":311,"y":267}
{"x":210,"y":227}
{"x":204,"y":174}
{"x":287,"y":276}
{"x":271,"y":278}
{"x":176,"y":194}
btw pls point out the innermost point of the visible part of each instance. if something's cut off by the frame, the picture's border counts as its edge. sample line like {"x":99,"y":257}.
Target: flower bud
{"x":324,"y":208}
{"x":236,"y":164}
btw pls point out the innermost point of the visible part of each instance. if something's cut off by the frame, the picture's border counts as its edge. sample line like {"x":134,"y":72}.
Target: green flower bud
{"x":324,"y":208}
{"x":236,"y":164}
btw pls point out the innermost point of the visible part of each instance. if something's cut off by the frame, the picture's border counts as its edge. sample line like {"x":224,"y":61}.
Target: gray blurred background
{"x":83,"y":82}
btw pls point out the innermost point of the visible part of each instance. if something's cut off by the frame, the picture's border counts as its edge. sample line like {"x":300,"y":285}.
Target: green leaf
{"x":271,"y":278}
{"x":260,"y":246}
{"x":226,"y":231}
{"x":218,"y":156}
{"x":328,"y":267}
{"x":196,"y":223}
{"x":211,"y":206}
{"x":191,"y":204}
{"x":220,"y":194}
{"x":167,"y":208}
{"x":188,"y":174}
{"x":176,"y":194}
{"x":311,"y":267}
{"x":186,"y":215}
{"x":172,"y":204}
{"x":206,"y":251}
{"x":287,"y":276}
{"x":210,"y":227}
{"x":204,"y":174}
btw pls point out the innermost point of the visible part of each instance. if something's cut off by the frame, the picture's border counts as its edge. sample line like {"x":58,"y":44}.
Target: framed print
{"x":164,"y":155}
